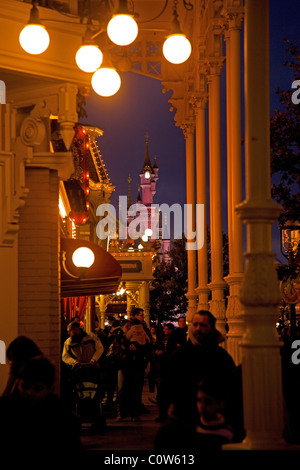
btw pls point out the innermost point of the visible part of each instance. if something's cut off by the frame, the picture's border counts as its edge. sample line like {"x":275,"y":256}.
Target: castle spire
{"x":147,"y":163}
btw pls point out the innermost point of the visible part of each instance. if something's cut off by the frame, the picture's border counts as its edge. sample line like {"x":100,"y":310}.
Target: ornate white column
{"x":189,"y":134}
{"x":261,"y":362}
{"x":199,"y":104}
{"x":217,"y":304}
{"x":233,"y":28}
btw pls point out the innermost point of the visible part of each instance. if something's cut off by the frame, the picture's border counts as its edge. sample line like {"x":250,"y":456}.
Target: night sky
{"x":140,"y":107}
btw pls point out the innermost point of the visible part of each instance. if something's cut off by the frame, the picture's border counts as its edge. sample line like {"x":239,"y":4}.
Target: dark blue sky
{"x":140,"y":106}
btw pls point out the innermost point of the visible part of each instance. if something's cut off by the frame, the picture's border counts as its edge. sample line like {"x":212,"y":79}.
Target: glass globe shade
{"x":177,"y":48}
{"x":34,"y":39}
{"x":148,"y":232}
{"x":122,"y":30}
{"x":83,"y":257}
{"x":106,"y":81}
{"x":89,"y":58}
{"x":144,"y":238}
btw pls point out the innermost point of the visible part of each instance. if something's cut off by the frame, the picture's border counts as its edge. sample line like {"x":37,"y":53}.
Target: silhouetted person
{"x":180,"y":334}
{"x":163,"y":351}
{"x":201,"y":358}
{"x":137,"y":314}
{"x":33,"y":419}
{"x":18,"y":352}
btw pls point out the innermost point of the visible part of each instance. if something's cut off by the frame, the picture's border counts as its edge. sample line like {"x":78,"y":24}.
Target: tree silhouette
{"x":167,"y":298}
{"x":285,"y":145}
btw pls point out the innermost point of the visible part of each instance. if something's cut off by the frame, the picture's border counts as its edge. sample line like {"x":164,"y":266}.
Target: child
{"x":210,"y":433}
{"x":137,"y":333}
{"x":212,"y":429}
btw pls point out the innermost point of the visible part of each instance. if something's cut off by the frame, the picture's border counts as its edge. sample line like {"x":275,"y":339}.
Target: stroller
{"x":88,"y":394}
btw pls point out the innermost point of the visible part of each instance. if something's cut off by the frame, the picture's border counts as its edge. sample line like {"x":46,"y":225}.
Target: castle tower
{"x":148,"y":178}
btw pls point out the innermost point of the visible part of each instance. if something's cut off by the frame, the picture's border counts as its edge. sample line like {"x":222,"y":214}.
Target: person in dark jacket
{"x":137,"y":313}
{"x":163,"y":350}
{"x":180,"y":334}
{"x":33,"y":419}
{"x":201,"y":358}
{"x":20,"y":350}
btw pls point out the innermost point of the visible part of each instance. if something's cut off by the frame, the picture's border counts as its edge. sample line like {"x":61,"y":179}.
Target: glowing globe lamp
{"x":122,"y":29}
{"x":89,"y":58}
{"x":177,"y":48}
{"x":34,"y":38}
{"x":106,"y":81}
{"x":83,"y":257}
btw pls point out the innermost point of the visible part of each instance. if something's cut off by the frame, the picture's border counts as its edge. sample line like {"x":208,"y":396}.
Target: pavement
{"x":127,"y":434}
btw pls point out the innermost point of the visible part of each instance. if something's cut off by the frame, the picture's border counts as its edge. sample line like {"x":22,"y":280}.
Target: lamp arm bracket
{"x":63,"y":262}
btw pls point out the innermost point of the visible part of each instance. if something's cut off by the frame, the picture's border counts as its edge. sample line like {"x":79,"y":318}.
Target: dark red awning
{"x":103,"y":277}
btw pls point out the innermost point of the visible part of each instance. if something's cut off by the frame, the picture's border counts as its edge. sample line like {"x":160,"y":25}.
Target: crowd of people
{"x":174,"y":362}
{"x":196,"y":385}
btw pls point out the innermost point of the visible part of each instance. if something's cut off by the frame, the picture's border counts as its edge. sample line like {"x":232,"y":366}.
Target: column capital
{"x":60,"y":100}
{"x":214,"y":66}
{"x":234,"y":17}
{"x":62,"y":162}
{"x":199,"y":101}
{"x":188,"y":128}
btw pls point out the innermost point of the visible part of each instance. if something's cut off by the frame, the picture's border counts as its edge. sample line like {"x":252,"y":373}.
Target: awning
{"x":103,"y":277}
